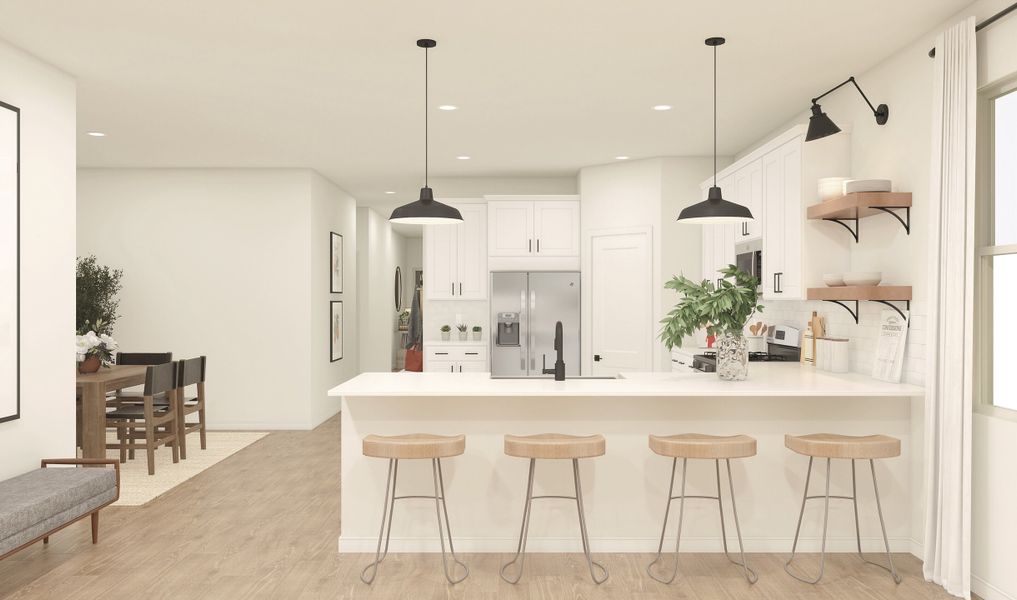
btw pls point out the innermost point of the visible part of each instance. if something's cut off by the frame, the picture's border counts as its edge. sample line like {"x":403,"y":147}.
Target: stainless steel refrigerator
{"x":524,"y":310}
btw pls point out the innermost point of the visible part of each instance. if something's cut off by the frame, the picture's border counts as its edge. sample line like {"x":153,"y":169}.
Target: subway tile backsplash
{"x":862,"y":335}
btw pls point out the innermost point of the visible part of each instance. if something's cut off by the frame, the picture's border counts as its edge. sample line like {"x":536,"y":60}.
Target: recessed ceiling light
{"x":389,"y":192}
{"x":96,"y":134}
{"x":463,"y":157}
{"x":447,"y":107}
{"x":662,"y":107}
{"x":621,"y":158}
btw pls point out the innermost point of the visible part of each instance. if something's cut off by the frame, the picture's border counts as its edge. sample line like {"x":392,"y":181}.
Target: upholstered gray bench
{"x":39,"y":503}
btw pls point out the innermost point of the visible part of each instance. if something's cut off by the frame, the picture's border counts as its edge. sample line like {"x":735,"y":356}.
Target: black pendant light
{"x":426,"y":210}
{"x":715,"y":209}
{"x":821,"y":125}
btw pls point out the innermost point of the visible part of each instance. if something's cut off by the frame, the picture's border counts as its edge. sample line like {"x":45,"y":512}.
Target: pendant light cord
{"x":426,"y":129}
{"x":714,"y":116}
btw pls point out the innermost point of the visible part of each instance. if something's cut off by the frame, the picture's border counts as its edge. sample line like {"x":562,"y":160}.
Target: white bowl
{"x":860,"y":278}
{"x":866,"y":185}
{"x":833,"y":279}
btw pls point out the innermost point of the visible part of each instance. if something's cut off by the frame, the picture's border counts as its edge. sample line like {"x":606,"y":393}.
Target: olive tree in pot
{"x":723,"y":310}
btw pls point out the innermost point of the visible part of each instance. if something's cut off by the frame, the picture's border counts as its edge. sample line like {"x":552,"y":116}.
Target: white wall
{"x":46,"y":97}
{"x":227,"y":263}
{"x":332,"y":209}
{"x":379,"y":250}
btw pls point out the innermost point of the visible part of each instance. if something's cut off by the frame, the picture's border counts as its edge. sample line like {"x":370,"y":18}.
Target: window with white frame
{"x":997,"y":251}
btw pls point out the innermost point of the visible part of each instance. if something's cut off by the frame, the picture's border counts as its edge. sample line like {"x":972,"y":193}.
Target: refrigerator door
{"x":553,"y":297}
{"x":509,"y":295}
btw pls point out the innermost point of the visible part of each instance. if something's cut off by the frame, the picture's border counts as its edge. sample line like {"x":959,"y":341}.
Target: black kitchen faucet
{"x":559,"y":364}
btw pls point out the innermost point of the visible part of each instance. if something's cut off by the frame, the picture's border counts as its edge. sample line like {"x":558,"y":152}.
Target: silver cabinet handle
{"x":538,"y":245}
{"x":453,"y":288}
{"x":460,"y":288}
{"x":529,"y":245}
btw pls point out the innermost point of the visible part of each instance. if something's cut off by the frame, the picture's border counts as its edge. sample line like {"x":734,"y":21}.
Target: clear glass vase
{"x":732,"y":357}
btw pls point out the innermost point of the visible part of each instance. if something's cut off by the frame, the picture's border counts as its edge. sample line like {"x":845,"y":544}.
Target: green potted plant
{"x":462,"y":331}
{"x":97,"y":287}
{"x":476,"y":333}
{"x":446,"y":333}
{"x":723,"y":310}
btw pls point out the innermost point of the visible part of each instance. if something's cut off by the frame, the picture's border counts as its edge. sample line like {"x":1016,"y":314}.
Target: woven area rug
{"x":137,"y":487}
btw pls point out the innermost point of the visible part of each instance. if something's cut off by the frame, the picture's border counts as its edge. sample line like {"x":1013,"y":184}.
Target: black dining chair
{"x":148,"y":421}
{"x":190,"y":372}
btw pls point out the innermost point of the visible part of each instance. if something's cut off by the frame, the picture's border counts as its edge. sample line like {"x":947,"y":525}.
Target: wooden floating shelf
{"x":859,"y":205}
{"x":886,"y":293}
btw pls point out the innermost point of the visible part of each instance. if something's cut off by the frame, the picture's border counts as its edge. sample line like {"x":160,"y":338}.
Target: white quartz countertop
{"x":765,"y":380}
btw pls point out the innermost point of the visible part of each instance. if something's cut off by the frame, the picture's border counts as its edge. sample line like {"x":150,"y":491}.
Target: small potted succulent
{"x":462,"y":331}
{"x":446,"y":333}
{"x":723,"y":309}
{"x":94,"y":350}
{"x":476,"y":333}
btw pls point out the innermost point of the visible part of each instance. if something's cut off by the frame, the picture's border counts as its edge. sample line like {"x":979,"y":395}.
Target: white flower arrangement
{"x":93,"y":344}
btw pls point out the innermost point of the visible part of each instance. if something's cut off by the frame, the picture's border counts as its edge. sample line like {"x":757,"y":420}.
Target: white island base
{"x":625,"y":490}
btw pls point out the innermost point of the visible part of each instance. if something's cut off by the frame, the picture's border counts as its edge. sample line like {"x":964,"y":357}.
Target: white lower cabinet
{"x":450,"y":357}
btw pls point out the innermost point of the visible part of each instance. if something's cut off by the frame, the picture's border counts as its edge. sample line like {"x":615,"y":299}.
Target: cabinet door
{"x":749,"y":192}
{"x":510,"y":228}
{"x":724,"y":250}
{"x":782,"y":234}
{"x":556,"y":228}
{"x":471,"y":265}
{"x":442,"y":366}
{"x":472,"y":366}
{"x":709,"y":266}
{"x":441,"y":261}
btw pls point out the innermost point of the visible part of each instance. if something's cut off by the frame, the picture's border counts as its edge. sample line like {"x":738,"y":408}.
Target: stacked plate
{"x":851,"y":186}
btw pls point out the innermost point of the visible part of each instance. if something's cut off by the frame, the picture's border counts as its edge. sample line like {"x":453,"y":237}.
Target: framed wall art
{"x":335,"y":263}
{"x":335,"y":334}
{"x":10,"y":191}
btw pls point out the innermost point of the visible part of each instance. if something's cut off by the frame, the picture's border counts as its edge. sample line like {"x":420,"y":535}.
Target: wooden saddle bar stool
{"x":831,"y":446}
{"x":554,"y":446}
{"x":708,"y":447}
{"x":158,"y":422}
{"x":415,"y":446}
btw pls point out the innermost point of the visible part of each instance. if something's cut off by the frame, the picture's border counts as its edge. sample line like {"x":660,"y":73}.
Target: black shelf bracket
{"x":854,"y":313}
{"x":905,"y":223}
{"x":841,"y":222}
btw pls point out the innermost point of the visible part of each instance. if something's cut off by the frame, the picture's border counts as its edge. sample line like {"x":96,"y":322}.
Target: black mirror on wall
{"x":399,"y":289}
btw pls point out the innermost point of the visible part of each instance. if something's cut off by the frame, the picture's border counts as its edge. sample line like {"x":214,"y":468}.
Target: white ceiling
{"x":544,"y":87}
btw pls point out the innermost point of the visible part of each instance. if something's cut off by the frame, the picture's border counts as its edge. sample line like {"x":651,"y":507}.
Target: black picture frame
{"x":335,"y":263}
{"x":336,"y":330}
{"x":17,"y":267}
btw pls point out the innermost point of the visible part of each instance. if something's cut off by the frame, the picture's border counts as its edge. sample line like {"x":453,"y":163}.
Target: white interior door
{"x":621,"y":305}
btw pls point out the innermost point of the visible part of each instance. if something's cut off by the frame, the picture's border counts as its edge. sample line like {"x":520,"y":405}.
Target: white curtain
{"x":948,"y":391}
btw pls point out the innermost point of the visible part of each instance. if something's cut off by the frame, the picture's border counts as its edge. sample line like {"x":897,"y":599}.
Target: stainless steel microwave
{"x":749,"y":258}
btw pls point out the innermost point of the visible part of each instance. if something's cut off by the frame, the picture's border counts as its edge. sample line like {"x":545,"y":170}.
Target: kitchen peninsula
{"x":625,"y":489}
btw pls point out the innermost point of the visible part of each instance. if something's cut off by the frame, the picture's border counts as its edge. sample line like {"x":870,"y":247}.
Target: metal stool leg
{"x":439,"y":493}
{"x":826,"y":520}
{"x":882,"y":525}
{"x":750,"y":575}
{"x":663,"y":530}
{"x":523,"y":531}
{"x":582,"y":527}
{"x":388,"y":507}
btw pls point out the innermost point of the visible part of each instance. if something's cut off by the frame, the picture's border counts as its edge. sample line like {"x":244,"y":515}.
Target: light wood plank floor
{"x":264,"y":524}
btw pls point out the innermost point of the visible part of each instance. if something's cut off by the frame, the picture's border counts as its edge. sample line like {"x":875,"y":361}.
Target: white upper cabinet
{"x":719,"y":240}
{"x":533,"y":232}
{"x":455,"y":256}
{"x":556,"y":228}
{"x":778,"y":181}
{"x":510,"y":228}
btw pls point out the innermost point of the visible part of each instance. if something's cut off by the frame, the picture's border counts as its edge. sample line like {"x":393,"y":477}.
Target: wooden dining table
{"x":93,"y":388}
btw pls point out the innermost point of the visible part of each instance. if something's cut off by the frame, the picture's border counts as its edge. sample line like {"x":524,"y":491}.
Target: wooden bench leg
{"x":95,"y":527}
{"x":45,"y":540}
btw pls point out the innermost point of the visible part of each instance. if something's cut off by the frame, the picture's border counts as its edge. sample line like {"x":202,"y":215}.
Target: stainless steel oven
{"x":749,"y":258}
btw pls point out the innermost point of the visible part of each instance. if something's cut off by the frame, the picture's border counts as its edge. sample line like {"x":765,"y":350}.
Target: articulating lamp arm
{"x":881,"y":112}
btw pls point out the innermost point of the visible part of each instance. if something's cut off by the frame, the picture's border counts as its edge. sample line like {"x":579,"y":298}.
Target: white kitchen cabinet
{"x":510,"y":228}
{"x":556,"y":228}
{"x":533,"y":232}
{"x":455,"y":256}
{"x":777,"y":181}
{"x":748,"y":191}
{"x":718,"y":240}
{"x":451,"y":357}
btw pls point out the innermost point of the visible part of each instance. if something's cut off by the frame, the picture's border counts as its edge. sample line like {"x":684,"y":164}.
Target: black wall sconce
{"x":821,"y":125}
